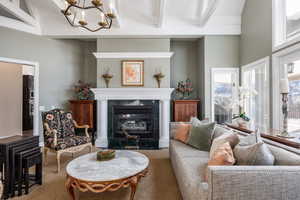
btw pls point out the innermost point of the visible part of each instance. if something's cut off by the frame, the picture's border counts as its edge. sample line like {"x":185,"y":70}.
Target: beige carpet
{"x":159,"y":184}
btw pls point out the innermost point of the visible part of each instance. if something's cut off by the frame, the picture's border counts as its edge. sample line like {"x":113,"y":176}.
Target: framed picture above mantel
{"x":133,"y":73}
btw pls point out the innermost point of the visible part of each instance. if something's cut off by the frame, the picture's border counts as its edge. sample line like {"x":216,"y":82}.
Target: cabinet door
{"x":183,"y":111}
{"x":83,"y":113}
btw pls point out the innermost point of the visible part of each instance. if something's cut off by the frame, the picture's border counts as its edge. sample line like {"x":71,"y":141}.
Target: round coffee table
{"x":85,"y":173}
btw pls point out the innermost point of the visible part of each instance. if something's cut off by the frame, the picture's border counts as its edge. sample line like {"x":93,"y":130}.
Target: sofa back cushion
{"x":284,"y":157}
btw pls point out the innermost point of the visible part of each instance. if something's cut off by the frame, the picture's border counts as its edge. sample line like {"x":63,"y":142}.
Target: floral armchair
{"x":60,"y":135}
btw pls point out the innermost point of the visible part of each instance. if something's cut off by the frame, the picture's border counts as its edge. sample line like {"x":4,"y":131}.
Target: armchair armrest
{"x":86,"y":127}
{"x":253,"y":182}
{"x":51,"y":132}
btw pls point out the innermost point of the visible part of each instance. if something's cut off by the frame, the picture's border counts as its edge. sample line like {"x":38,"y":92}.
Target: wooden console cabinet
{"x":183,"y":110}
{"x":84,"y":113}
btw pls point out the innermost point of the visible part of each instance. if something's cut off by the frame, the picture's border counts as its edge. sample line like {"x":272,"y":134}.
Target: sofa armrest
{"x":254,"y":182}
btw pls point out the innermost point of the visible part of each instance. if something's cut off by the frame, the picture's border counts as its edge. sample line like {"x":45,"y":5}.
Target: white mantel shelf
{"x":103,"y":95}
{"x":128,"y":55}
{"x":133,"y":93}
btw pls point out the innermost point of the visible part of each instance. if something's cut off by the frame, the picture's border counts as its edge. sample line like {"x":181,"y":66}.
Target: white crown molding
{"x":110,"y":55}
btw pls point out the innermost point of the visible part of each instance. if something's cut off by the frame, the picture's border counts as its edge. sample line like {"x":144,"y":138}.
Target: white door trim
{"x":210,"y":98}
{"x":36,"y":88}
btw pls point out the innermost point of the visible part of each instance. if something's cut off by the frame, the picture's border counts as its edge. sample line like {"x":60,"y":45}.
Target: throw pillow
{"x":197,"y":122}
{"x":219,"y":131}
{"x":253,"y":151}
{"x":231,"y":138}
{"x":200,"y":136}
{"x":223,"y":155}
{"x":182,"y":132}
{"x":255,"y":154}
{"x":174,"y":126}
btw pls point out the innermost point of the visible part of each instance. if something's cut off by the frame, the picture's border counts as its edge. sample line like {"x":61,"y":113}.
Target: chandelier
{"x":75,"y":11}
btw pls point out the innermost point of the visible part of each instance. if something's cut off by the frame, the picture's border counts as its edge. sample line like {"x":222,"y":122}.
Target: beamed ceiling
{"x":135,"y":18}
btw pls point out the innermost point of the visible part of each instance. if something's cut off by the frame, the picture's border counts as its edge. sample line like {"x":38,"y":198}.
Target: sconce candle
{"x":284,"y":86}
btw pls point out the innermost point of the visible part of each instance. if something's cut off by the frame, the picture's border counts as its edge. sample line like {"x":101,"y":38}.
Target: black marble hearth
{"x":133,"y":124}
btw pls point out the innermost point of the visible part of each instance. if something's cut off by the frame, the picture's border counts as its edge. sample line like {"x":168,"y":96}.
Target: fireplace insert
{"x":133,"y":124}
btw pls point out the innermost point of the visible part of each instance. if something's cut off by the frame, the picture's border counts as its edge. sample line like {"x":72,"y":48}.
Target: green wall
{"x":256,"y":37}
{"x":151,"y":66}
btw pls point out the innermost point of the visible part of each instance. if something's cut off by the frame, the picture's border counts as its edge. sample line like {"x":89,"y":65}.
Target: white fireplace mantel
{"x":102,"y":95}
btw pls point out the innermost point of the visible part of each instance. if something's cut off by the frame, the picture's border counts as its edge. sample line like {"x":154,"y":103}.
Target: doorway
{"x":20,"y":97}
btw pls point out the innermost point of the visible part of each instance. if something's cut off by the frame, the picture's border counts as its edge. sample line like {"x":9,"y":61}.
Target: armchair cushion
{"x":67,"y":123}
{"x":64,"y":143}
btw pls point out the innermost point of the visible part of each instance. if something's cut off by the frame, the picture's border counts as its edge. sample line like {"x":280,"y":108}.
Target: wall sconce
{"x":159,"y":76}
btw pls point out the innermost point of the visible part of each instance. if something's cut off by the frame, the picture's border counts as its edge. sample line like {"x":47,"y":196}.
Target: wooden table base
{"x":98,"y":187}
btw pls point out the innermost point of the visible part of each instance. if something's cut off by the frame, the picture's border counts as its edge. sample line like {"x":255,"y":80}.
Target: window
{"x":255,"y":77}
{"x":293,"y":74}
{"x":224,"y":83}
{"x":286,"y":21}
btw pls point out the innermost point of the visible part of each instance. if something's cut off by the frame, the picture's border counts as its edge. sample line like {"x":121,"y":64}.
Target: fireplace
{"x":133,"y":124}
{"x":158,"y":98}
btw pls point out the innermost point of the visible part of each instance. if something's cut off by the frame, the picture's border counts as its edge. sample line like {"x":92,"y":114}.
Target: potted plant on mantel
{"x":184,"y":107}
{"x":83,"y":107}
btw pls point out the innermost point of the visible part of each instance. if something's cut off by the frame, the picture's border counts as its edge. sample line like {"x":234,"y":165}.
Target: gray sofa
{"x":279,"y":182}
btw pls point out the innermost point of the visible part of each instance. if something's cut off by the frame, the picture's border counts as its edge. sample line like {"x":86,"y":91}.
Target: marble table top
{"x":124,"y":165}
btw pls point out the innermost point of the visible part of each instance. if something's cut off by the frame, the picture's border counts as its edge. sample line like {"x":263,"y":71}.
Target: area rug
{"x":159,"y":184}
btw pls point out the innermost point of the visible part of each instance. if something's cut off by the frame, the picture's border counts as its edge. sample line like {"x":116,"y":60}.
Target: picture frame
{"x":133,"y":73}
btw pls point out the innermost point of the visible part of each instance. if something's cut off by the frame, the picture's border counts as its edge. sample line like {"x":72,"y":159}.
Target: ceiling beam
{"x":18,"y":12}
{"x":208,"y":12}
{"x":117,"y":13}
{"x":34,"y":13}
{"x":161,"y":13}
{"x":18,"y":25}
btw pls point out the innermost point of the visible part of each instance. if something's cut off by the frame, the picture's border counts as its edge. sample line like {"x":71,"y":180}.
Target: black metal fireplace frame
{"x":146,"y":141}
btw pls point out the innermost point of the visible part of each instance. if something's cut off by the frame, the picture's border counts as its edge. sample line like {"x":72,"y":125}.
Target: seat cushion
{"x":64,"y":143}
{"x":189,"y":165}
{"x":184,"y":150}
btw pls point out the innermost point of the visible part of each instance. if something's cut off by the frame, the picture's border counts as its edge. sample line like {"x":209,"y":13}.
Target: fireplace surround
{"x":104,"y":95}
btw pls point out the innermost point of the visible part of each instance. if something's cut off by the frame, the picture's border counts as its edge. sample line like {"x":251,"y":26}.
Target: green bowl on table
{"x":105,"y":155}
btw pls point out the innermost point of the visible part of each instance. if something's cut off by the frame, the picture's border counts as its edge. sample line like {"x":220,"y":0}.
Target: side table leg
{"x":133,"y":185}
{"x":70,"y":188}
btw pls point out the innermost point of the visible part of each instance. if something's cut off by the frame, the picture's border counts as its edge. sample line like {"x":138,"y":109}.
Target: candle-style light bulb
{"x":82,"y":15}
{"x":111,"y":10}
{"x":66,"y":5}
{"x":102,"y":17}
{"x":111,"y":6}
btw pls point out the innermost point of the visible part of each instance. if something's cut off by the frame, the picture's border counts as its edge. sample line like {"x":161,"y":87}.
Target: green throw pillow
{"x":201,"y":136}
